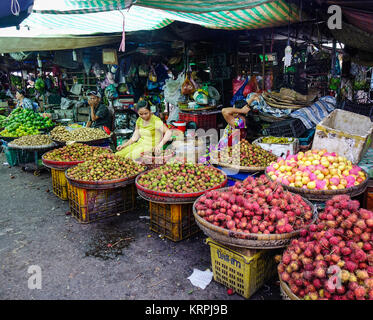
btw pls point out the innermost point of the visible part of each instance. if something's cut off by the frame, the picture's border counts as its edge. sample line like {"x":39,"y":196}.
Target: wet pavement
{"x":117,"y":258}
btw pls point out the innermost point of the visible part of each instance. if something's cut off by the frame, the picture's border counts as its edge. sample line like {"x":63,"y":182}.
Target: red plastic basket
{"x":203,"y":121}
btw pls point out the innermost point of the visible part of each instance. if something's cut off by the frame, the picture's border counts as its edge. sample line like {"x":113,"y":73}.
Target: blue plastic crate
{"x":233,"y":177}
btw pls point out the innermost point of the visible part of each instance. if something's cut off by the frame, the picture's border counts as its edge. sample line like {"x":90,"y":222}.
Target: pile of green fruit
{"x":36,"y":140}
{"x":2,"y":121}
{"x":105,"y":167}
{"x":181,"y":178}
{"x":277,"y":140}
{"x":24,"y":122}
{"x":75,"y":152}
{"x":246,"y":154}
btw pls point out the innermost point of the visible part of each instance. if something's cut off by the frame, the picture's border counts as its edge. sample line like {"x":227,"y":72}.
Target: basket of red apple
{"x":255,"y":214}
{"x":318,"y":175}
{"x":333,"y":258}
{"x":179,"y":182}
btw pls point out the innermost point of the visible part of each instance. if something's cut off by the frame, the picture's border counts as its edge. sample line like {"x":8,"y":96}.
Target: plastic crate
{"x":59,"y":183}
{"x":242,"y":270}
{"x":306,"y":139}
{"x":175,"y":221}
{"x":363,"y":109}
{"x":286,"y":128}
{"x":11,"y":156}
{"x":203,"y":121}
{"x":26,"y":157}
{"x":91,"y":205}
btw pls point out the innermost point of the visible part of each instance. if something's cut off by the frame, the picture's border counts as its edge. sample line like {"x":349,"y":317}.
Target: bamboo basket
{"x":325,"y":195}
{"x":248,"y":240}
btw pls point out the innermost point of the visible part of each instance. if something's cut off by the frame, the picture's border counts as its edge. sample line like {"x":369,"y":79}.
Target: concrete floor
{"x":76,"y":262}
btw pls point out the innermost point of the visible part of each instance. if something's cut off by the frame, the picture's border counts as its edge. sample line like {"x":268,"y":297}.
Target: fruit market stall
{"x":332,"y":260}
{"x":102,"y":187}
{"x":29,"y":150}
{"x":318,"y":175}
{"x":171,"y":190}
{"x":60,"y":159}
{"x":245,"y":223}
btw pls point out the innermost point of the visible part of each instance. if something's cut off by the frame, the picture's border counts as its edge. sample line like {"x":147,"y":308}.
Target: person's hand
{"x":245,"y":109}
{"x":157,"y":149}
{"x":255,"y":96}
{"x":120,"y":147}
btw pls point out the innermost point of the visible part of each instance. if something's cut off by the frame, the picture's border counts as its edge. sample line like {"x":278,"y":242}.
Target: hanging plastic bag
{"x":152,"y":75}
{"x":187,"y":87}
{"x":143,"y":70}
{"x":252,"y":86}
{"x":237,"y":83}
{"x":239,"y":93}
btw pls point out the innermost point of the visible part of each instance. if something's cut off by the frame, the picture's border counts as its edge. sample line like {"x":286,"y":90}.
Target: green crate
{"x":11,"y":156}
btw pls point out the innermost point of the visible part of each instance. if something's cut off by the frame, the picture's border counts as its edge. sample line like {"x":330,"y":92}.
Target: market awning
{"x":17,"y":44}
{"x":201,"y":6}
{"x":67,"y":18}
{"x":269,"y":14}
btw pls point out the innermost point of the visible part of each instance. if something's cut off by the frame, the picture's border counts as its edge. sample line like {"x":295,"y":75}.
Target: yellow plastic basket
{"x":91,"y":205}
{"x":236,"y":270}
{"x":175,"y":221}
{"x":59,"y":183}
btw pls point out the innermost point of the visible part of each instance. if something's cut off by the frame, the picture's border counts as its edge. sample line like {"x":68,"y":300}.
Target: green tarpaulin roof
{"x":78,"y":17}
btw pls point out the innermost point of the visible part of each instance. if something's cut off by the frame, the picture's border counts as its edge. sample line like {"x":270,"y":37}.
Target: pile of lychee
{"x":333,"y":259}
{"x":255,"y":206}
{"x":105,"y":167}
{"x":316,"y":169}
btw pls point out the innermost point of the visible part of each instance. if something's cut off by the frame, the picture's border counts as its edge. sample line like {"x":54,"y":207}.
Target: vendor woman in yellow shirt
{"x":150,"y":134}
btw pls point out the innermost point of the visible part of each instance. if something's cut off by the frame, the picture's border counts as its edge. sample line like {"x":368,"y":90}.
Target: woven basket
{"x":235,"y":167}
{"x":248,"y":240}
{"x":325,"y":195}
{"x":103,"y":184}
{"x":286,"y":293}
{"x":268,"y":118}
{"x":32,"y":148}
{"x":59,"y":164}
{"x":174,"y":198}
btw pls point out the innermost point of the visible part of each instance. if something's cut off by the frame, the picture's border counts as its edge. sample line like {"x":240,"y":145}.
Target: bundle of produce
{"x":3,"y":120}
{"x":277,"y":140}
{"x":333,"y":259}
{"x":75,"y":152}
{"x":105,"y":167}
{"x":181,"y":178}
{"x":22,"y":122}
{"x":80,"y":134}
{"x":36,"y":140}
{"x":246,"y":154}
{"x":255,"y":206}
{"x":316,"y":169}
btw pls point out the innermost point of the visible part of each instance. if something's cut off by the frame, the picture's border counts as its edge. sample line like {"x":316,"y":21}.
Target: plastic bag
{"x":187,"y":87}
{"x":152,"y":75}
{"x":252,"y":86}
{"x":143,"y":70}
{"x":172,"y":89}
{"x":239,"y":93}
{"x":237,"y":83}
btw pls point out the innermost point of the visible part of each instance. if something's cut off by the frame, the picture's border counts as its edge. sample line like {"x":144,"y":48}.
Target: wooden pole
{"x":263,"y":65}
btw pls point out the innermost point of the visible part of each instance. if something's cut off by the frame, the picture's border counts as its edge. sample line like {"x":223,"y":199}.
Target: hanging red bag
{"x":252,"y":86}
{"x":237,"y":83}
